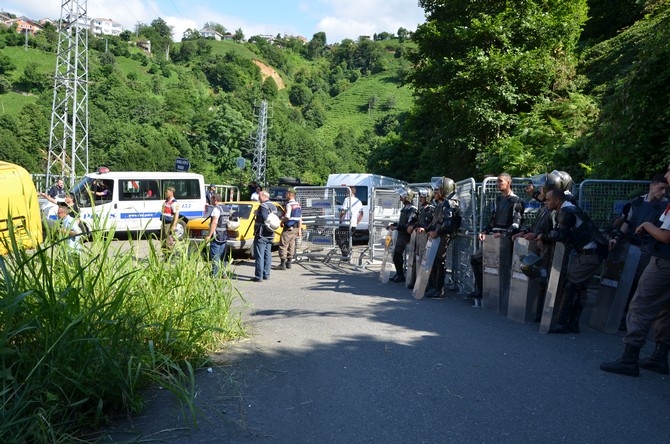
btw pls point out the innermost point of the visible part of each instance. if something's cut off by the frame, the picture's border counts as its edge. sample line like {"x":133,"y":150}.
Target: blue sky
{"x":339,"y":19}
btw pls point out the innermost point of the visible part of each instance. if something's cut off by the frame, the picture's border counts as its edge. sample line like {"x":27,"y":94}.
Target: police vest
{"x":168,"y":211}
{"x":507,"y":213}
{"x":448,"y":217}
{"x":426,"y":215}
{"x":406,"y":215}
{"x":221,"y":231}
{"x":296,"y":214}
{"x":582,"y":234}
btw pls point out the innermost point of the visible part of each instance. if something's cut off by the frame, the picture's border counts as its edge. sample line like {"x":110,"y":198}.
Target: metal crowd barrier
{"x":385,"y":209}
{"x":603,"y":200}
{"x":320,"y":220}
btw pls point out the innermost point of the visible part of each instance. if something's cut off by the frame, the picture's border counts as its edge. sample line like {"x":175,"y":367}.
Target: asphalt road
{"x":335,"y":356}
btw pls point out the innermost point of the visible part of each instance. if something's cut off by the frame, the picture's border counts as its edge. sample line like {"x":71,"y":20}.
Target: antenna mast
{"x":68,"y":136}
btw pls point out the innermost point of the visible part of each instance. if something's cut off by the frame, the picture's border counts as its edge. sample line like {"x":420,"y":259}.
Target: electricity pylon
{"x":68,"y":136}
{"x":260,"y":145}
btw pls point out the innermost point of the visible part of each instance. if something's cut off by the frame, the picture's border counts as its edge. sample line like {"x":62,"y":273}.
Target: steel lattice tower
{"x":68,"y":137}
{"x":260,"y":151}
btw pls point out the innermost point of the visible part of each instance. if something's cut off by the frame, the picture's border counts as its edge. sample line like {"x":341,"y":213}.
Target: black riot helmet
{"x":445,"y":185}
{"x":558,"y":180}
{"x":566,"y":179}
{"x":531,"y":265}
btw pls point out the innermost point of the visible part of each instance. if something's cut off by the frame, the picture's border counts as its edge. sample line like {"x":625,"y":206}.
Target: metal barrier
{"x":460,"y":277}
{"x":385,"y":209}
{"x":603,"y":200}
{"x":41,"y":185}
{"x":320,"y":220}
{"x":229,"y":193}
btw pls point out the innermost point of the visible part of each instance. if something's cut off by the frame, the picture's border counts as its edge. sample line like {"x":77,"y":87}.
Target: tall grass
{"x":83,"y":334}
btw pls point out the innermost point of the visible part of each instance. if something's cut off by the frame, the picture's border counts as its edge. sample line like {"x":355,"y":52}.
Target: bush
{"x":82,"y":334}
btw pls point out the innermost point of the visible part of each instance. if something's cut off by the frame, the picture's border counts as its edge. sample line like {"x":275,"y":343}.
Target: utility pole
{"x":260,"y":144}
{"x":68,"y":136}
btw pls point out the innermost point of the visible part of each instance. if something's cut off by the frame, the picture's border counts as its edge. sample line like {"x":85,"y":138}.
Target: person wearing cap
{"x":292,"y":222}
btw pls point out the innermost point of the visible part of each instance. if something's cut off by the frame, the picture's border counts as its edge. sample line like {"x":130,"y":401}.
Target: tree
{"x":481,"y":64}
{"x":316,"y":46}
{"x":239,"y":35}
{"x":403,"y":34}
{"x":218,"y":27}
{"x":6,"y":64}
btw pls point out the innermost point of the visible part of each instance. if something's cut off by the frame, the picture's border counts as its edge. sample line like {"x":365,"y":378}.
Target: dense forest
{"x":523,"y":86}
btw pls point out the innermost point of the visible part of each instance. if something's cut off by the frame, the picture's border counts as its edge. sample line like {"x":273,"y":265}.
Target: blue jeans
{"x":263,"y":255}
{"x":217,"y":255}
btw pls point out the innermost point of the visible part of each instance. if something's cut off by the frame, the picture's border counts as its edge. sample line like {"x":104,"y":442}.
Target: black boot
{"x":658,"y":361}
{"x":288,"y":263}
{"x":282,"y":265}
{"x":627,"y":364}
{"x":573,"y":323}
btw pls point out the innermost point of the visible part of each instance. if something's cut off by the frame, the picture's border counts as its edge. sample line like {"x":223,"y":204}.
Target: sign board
{"x":182,"y":164}
{"x":241,"y":163}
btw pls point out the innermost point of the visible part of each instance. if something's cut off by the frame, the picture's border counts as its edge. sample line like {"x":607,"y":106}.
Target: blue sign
{"x":182,"y":164}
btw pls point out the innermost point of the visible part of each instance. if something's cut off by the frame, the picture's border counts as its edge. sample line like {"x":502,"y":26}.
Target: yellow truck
{"x":19,"y":209}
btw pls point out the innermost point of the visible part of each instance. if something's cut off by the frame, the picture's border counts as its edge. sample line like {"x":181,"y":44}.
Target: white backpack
{"x":272,"y":221}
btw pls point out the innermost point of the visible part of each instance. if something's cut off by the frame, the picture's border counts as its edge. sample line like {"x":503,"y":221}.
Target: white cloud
{"x":352,"y":18}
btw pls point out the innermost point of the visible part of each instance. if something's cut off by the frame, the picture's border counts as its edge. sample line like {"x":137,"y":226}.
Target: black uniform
{"x":575,"y":229}
{"x":506,"y":218}
{"x":407,"y":217}
{"x":446,"y":221}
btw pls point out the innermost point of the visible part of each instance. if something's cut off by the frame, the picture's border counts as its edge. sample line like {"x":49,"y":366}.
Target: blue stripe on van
{"x":157,"y":215}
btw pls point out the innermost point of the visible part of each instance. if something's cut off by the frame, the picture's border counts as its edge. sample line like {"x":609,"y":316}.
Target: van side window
{"x":144,"y":189}
{"x":184,"y":188}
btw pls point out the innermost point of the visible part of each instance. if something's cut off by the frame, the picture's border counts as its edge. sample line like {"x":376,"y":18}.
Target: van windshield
{"x":92,"y":191}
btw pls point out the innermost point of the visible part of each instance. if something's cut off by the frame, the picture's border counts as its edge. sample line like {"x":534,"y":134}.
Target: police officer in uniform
{"x":419,"y":225}
{"x":645,"y":208}
{"x":506,"y":219}
{"x":407,"y":217}
{"x":650,"y":306}
{"x":446,"y":221}
{"x":575,"y":229}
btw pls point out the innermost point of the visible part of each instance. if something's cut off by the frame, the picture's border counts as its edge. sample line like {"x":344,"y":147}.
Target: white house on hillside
{"x":209,"y":33}
{"x":103,"y":26}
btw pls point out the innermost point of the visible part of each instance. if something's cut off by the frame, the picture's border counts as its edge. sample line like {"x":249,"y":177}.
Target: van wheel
{"x":180,"y":230}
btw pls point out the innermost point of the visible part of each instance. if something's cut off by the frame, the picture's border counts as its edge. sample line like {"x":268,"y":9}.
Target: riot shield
{"x":615,"y":285}
{"x":423,"y":271}
{"x":389,"y":246}
{"x":524,"y":291}
{"x":410,"y":260}
{"x":496,"y":254}
{"x":554,"y":286}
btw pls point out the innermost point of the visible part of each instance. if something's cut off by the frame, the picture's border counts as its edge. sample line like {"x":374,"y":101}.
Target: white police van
{"x":132,"y":201}
{"x":364,"y":183}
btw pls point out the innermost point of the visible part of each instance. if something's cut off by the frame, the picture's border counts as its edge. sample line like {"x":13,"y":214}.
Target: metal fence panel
{"x":459,"y":272}
{"x":320,"y":218}
{"x":603,"y":200}
{"x":385,"y":209}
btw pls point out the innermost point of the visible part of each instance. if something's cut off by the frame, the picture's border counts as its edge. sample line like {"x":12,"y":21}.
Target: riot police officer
{"x":419,"y":225}
{"x":408,"y":215}
{"x":506,"y":219}
{"x":446,"y":221}
{"x":575,"y":229}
